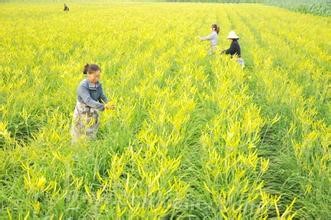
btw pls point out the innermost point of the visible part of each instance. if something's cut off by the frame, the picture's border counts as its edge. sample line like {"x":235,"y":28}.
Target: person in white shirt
{"x":212,"y":37}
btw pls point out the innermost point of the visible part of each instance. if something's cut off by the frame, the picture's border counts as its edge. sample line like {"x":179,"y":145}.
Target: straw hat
{"x":233,"y":35}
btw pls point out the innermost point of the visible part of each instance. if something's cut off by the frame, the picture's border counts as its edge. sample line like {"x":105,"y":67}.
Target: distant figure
{"x":234,"y":49}
{"x":66,"y":8}
{"x":212,"y":37}
{"x":90,"y":101}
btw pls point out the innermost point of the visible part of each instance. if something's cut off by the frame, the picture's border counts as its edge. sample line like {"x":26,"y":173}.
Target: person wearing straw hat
{"x":234,"y":49}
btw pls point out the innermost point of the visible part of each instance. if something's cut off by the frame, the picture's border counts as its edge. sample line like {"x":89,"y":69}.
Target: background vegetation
{"x":193,"y":135}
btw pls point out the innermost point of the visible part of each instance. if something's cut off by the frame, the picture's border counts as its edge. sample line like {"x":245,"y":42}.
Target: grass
{"x":193,"y":136}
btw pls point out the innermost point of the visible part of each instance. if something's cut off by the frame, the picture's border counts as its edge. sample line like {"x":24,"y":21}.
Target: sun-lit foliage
{"x":193,"y":135}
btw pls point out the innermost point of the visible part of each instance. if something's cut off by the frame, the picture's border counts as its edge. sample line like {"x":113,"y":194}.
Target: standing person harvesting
{"x":234,"y":49}
{"x":66,"y":8}
{"x":212,"y":37}
{"x":90,"y":101}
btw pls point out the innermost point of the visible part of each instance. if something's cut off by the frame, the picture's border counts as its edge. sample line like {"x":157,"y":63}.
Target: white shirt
{"x":213,"y":38}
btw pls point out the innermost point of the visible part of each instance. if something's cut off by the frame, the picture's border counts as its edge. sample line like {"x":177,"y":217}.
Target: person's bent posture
{"x":234,"y":49}
{"x":90,"y":101}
